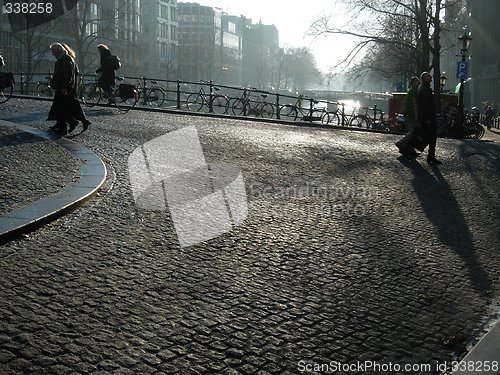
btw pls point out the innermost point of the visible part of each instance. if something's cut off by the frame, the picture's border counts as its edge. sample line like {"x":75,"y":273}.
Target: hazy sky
{"x":292,"y":18}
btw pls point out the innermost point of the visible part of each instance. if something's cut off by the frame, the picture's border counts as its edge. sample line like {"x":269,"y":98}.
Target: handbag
{"x":421,"y":138}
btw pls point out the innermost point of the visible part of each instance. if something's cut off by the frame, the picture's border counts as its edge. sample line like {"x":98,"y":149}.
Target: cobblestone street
{"x":348,"y":253}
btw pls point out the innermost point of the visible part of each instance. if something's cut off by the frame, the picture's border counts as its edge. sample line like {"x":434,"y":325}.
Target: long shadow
{"x":441,"y":207}
{"x":19,"y":138}
{"x":23,"y":118}
{"x":486,"y":156}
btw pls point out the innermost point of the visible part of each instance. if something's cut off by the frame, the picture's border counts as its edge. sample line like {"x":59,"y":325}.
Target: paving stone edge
{"x":92,"y":175}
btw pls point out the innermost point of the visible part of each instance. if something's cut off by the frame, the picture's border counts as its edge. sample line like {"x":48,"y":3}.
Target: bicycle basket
{"x":126,"y":91}
{"x":6,"y":80}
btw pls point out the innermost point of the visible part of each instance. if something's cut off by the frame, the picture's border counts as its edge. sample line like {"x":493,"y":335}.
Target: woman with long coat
{"x":107,"y":78}
{"x":64,"y":83}
{"x":76,"y":107}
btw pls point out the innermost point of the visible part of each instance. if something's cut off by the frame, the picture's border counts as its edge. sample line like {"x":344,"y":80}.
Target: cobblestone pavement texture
{"x":18,"y":151}
{"x":348,"y":254}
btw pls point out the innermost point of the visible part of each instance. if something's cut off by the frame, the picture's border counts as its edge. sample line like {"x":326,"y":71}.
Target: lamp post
{"x":462,"y":74}
{"x":442,"y":81}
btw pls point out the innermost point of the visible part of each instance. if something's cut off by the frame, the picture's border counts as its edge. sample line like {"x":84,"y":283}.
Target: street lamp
{"x":465,"y":40}
{"x":442,"y":81}
{"x":462,"y":73}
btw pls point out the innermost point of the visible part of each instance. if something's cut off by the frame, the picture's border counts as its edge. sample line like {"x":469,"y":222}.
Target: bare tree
{"x":89,"y":21}
{"x":394,"y":38}
{"x":35,"y":47}
{"x":298,"y":69}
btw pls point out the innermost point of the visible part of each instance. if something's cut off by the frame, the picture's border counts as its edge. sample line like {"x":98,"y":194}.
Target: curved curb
{"x":92,"y":175}
{"x":483,"y":355}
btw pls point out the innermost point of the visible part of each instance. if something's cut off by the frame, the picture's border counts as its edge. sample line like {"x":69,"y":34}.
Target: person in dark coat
{"x":404,"y":145}
{"x":107,"y":78}
{"x":76,"y":107}
{"x":64,"y":83}
{"x":426,"y":115}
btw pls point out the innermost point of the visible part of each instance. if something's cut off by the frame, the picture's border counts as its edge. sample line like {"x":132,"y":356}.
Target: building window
{"x":163,"y":11}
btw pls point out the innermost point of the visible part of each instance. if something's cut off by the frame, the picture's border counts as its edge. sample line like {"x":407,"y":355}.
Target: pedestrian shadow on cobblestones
{"x":477,"y":158}
{"x":18,"y":138}
{"x":24,"y":118}
{"x":443,"y":211}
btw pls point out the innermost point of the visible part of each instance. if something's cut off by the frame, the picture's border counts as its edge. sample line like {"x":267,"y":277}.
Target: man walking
{"x":426,"y":115}
{"x":64,"y":83}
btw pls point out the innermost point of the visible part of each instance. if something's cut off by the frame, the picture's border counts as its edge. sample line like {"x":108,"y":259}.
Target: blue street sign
{"x":462,"y":69}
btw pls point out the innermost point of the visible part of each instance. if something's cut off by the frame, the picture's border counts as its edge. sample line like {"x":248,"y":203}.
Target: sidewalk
{"x":44,"y":177}
{"x":492,"y":135}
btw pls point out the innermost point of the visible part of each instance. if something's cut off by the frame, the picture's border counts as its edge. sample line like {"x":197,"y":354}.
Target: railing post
{"x":278,"y":106}
{"x":343,"y":114}
{"x":374,"y":113}
{"x":210,"y":99}
{"x":144,"y":91}
{"x":311,"y":106}
{"x":178,"y":94}
{"x":22,"y":84}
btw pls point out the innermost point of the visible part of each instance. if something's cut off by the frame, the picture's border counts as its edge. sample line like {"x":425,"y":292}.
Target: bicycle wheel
{"x":220,"y":104}
{"x":238,"y":107}
{"x":6,"y":93}
{"x":288,"y":112}
{"x":333,"y":119}
{"x":267,"y":110}
{"x":156,"y":97}
{"x":91,"y":94}
{"x":326,"y":118}
{"x":360,"y":121}
{"x":125,"y":99}
{"x":318,"y":114}
{"x":194,"y":102}
{"x":43,"y":90}
{"x":480,"y":131}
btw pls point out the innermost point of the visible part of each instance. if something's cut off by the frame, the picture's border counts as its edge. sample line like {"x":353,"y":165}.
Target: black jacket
{"x":64,"y":76}
{"x":426,"y":109}
{"x":106,"y":70}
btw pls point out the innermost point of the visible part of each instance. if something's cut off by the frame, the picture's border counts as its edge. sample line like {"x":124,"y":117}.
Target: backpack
{"x":115,"y":62}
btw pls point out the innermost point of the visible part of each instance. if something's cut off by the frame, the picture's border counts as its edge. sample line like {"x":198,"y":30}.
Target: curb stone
{"x":92,"y":175}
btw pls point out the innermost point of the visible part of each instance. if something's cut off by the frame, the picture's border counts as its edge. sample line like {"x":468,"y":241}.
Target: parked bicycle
{"x":379,"y":121}
{"x":43,"y":88}
{"x":153,"y":95}
{"x":6,"y":86}
{"x":291,"y":112}
{"x":124,"y":97}
{"x":214,"y":103}
{"x":248,"y":106}
{"x":447,"y":122}
{"x":472,"y":128}
{"x":340,"y":118}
